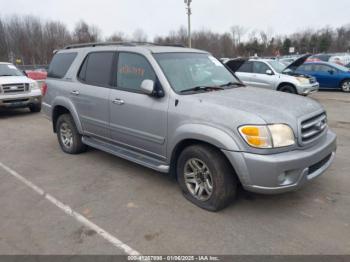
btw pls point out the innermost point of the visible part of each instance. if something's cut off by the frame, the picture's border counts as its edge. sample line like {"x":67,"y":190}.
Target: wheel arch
{"x":204,"y":135}
{"x":285,"y":84}
{"x":64,"y":106}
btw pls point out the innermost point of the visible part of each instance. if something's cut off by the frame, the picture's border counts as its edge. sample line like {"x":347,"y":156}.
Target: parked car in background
{"x":348,"y":66}
{"x":272,"y":74}
{"x":330,"y":76}
{"x":181,"y":111}
{"x":17,"y":90}
{"x":336,"y":58}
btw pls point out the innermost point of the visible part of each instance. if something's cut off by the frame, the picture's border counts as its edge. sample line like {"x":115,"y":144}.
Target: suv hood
{"x":271,"y":106}
{"x":4,"y":80}
{"x":293,"y":66}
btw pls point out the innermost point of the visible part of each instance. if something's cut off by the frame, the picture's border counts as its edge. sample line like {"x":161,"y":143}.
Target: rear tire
{"x":345,"y":85}
{"x":213,"y":184}
{"x":68,"y":136}
{"x":288,"y":89}
{"x":36,"y":108}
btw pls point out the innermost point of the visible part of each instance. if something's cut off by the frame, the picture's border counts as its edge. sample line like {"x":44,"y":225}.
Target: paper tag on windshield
{"x":11,"y":67}
{"x":215,"y":61}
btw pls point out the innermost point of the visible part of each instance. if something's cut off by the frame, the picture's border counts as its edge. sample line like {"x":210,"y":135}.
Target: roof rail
{"x":118,"y":43}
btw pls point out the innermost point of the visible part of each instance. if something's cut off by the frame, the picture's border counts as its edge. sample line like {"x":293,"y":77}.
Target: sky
{"x":159,"y":17}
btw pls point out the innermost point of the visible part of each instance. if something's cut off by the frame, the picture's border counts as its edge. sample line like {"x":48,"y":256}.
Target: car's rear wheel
{"x":68,"y":136}
{"x":206,"y":177}
{"x":345,"y":85}
{"x":288,"y":89}
{"x":36,"y":108}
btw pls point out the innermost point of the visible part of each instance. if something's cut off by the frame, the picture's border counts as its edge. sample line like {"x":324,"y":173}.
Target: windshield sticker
{"x":11,"y":67}
{"x":215,"y":61}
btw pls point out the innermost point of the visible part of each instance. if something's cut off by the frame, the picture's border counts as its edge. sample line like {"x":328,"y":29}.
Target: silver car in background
{"x":272,"y":74}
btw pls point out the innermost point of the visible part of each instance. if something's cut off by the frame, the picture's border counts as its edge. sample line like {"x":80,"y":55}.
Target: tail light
{"x":44,"y":89}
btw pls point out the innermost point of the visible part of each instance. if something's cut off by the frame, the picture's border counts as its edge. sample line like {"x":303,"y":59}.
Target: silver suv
{"x":17,"y":90}
{"x":181,"y":111}
{"x":273,"y":74}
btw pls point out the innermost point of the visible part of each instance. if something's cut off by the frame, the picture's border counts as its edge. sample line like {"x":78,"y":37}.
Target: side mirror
{"x":269,"y":72}
{"x":331,"y":72}
{"x":148,"y":86}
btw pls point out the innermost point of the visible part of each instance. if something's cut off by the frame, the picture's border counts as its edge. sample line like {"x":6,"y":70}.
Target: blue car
{"x":330,"y":76}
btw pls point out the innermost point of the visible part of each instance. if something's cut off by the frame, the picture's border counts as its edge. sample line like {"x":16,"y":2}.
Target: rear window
{"x":247,"y":67}
{"x":60,"y":64}
{"x":96,"y":69}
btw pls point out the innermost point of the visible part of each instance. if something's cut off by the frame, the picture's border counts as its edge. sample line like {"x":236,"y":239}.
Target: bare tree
{"x":139,"y":36}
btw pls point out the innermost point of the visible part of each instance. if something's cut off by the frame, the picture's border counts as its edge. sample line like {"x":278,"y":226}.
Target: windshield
{"x":277,"y":66}
{"x":9,"y":70}
{"x":189,"y":70}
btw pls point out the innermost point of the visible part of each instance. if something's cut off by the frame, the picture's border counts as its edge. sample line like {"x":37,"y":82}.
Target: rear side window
{"x":247,"y":67}
{"x":60,"y":64}
{"x":132,"y":70}
{"x":96,"y":69}
{"x":306,"y":68}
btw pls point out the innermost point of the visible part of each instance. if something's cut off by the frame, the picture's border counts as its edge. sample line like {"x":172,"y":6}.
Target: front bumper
{"x":308,"y":89}
{"x":20,"y":100}
{"x":283,"y":172}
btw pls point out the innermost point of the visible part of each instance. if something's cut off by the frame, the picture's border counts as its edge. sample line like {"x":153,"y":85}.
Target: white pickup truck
{"x":17,"y":90}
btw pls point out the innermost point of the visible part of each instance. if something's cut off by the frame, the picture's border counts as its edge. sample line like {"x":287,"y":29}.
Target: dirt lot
{"x":145,"y":209}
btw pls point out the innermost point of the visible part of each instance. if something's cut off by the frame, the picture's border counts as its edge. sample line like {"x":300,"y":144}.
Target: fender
{"x":67,"y":103}
{"x":206,"y":133}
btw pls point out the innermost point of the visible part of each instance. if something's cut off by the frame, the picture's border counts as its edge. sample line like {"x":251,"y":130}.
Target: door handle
{"x":75,"y":92}
{"x":118,"y":101}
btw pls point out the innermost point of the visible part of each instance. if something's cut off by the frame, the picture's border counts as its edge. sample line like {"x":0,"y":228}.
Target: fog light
{"x":282,"y":178}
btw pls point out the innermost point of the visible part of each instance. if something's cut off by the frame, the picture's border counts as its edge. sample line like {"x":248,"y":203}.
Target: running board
{"x":127,"y":154}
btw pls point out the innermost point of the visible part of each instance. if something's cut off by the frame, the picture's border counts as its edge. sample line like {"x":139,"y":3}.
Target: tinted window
{"x":260,"y":68}
{"x":132,"y":70}
{"x":60,"y":64}
{"x":247,"y":67}
{"x":96,"y":69}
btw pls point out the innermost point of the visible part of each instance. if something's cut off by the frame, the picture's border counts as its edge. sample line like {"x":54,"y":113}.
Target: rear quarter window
{"x":60,"y":64}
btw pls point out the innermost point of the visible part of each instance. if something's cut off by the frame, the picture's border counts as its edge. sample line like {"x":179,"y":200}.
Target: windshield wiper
{"x":202,"y":88}
{"x":237,"y":84}
{"x":6,"y":75}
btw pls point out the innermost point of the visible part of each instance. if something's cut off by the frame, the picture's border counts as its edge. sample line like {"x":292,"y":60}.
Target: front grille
{"x":312,"y":128}
{"x":9,"y":89}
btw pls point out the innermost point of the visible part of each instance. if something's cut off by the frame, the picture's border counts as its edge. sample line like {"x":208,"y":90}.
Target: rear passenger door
{"x":137,"y":121}
{"x":90,"y":94}
{"x":245,"y":72}
{"x":260,"y":78}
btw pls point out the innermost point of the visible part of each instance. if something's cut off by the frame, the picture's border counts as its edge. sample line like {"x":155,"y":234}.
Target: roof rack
{"x":118,"y":43}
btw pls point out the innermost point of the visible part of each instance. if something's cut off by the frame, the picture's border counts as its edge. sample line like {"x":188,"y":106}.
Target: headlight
{"x":269,"y":136}
{"x":303,"y":80}
{"x":34,"y":85}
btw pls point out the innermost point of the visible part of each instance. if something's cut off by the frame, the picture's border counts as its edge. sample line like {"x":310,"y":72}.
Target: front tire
{"x":68,"y":136}
{"x":288,"y":89}
{"x":345,"y":85}
{"x":206,"y":177}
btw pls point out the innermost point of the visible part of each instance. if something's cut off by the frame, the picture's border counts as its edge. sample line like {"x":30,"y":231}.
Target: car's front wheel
{"x":206,"y":177}
{"x":68,"y":136}
{"x":288,"y":89}
{"x":345,"y":85}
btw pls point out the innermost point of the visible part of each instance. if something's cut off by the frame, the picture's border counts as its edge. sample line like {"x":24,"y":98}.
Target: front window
{"x":189,"y":70}
{"x":9,"y":70}
{"x":277,"y":66}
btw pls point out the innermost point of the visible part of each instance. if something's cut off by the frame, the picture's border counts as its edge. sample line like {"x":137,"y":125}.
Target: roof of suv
{"x":153,"y":48}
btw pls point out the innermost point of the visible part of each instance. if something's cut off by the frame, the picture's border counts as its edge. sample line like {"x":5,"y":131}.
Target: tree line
{"x":32,"y":40}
